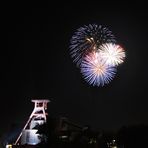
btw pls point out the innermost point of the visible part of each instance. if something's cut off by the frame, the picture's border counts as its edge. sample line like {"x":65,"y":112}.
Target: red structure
{"x":28,"y":135}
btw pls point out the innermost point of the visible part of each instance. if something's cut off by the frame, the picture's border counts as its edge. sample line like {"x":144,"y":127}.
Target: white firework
{"x":112,"y":54}
{"x":95,"y":71}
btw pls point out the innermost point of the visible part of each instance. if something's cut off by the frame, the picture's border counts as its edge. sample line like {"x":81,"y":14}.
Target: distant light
{"x":8,"y":146}
{"x":64,"y":137}
{"x":114,"y":140}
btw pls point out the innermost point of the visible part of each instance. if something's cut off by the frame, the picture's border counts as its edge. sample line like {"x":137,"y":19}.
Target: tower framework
{"x":38,"y":117}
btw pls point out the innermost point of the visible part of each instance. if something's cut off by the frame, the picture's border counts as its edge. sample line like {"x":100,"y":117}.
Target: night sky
{"x":35,"y":64}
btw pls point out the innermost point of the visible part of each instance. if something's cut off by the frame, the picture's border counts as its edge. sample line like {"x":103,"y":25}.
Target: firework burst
{"x":112,"y":54}
{"x":87,"y":39}
{"x":95,"y":71}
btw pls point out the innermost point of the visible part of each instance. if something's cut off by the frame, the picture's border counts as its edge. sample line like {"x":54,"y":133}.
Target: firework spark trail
{"x":87,"y":39}
{"x":94,"y":50}
{"x":95,"y":71}
{"x":112,"y":54}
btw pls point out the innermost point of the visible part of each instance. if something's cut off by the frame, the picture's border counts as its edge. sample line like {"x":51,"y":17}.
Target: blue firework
{"x":88,"y":38}
{"x":95,"y":71}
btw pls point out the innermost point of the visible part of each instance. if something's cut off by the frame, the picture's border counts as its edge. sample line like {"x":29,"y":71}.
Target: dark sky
{"x":35,"y":64}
